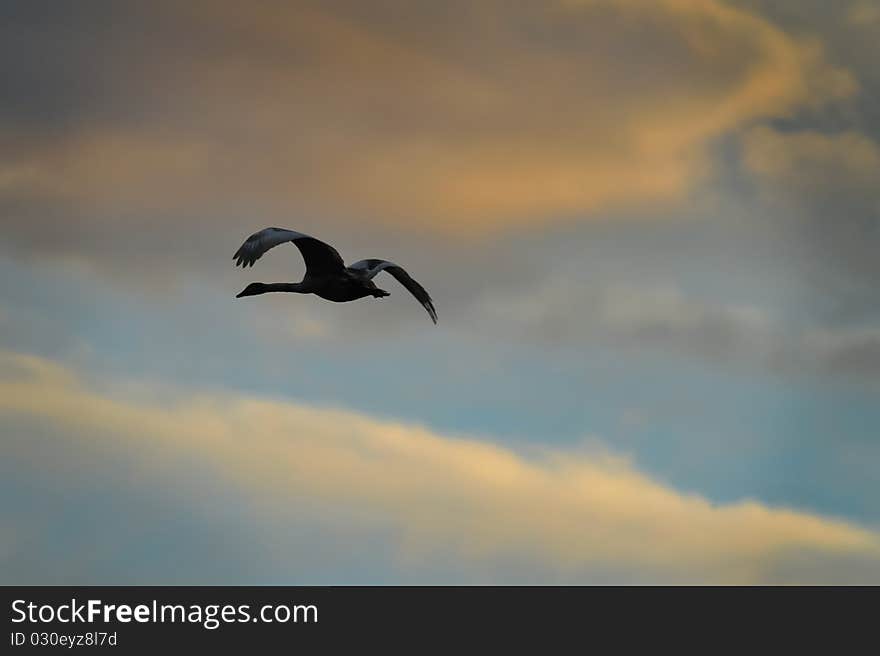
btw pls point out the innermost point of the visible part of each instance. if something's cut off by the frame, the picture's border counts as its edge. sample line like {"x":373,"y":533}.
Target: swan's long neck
{"x":295,"y":287}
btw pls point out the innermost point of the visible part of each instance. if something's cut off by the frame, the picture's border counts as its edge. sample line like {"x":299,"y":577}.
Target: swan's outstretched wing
{"x":320,"y":258}
{"x":369,"y":268}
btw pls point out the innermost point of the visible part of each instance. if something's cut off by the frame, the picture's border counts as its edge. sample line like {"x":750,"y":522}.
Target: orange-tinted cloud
{"x":480,"y":116}
{"x":448,"y":496}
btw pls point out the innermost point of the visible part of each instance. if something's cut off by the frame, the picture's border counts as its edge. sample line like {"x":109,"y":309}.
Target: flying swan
{"x":326,"y":273}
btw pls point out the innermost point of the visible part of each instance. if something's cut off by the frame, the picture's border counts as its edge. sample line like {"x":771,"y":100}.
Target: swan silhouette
{"x":326,"y":274}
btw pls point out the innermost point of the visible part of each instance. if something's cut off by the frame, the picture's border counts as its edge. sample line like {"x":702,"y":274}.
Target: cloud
{"x":565,"y":311}
{"x":485,"y":117}
{"x":844,"y":164}
{"x":821,"y":188}
{"x":864,"y":13}
{"x":853,"y":350}
{"x":567,"y":515}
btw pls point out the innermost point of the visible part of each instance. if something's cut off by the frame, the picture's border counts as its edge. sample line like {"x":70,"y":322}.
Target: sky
{"x":650,"y":229}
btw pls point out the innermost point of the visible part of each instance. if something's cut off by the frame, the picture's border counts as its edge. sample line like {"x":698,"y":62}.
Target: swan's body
{"x":326,"y":273}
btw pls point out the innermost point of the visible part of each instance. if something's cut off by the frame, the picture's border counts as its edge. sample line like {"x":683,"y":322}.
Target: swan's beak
{"x":252,"y":290}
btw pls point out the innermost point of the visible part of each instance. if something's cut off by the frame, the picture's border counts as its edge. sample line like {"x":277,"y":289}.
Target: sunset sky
{"x":651,"y":229}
